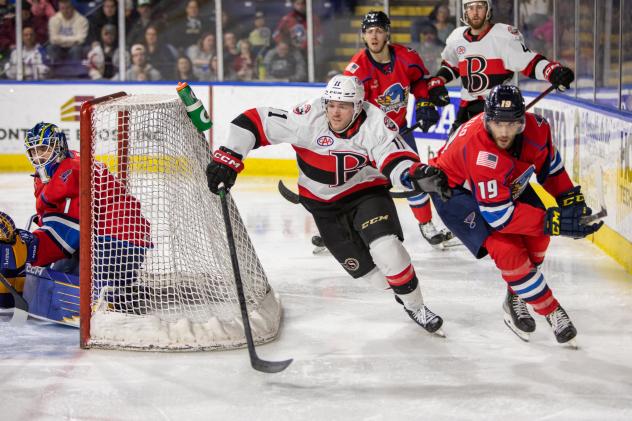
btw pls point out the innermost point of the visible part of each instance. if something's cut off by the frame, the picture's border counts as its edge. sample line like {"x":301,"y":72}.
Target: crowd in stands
{"x":175,"y":39}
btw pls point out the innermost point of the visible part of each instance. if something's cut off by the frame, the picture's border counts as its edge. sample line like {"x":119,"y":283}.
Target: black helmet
{"x":504,"y":103}
{"x":376,"y":18}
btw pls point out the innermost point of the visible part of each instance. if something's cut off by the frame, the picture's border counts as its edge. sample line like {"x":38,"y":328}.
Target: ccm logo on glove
{"x":228,"y":160}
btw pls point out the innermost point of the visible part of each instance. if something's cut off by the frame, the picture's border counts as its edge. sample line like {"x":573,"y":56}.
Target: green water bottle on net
{"x":195,"y":109}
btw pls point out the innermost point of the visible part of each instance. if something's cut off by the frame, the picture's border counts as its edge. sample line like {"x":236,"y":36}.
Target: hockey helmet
{"x":488,"y":16}
{"x":505,"y":103}
{"x":345,"y":89}
{"x":46,"y":147}
{"x":376,"y":18}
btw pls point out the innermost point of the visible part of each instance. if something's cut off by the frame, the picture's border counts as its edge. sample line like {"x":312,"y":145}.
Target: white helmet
{"x":345,"y":89}
{"x":466,"y":2}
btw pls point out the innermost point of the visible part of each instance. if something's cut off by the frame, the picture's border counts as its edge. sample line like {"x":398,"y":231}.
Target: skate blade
{"x":572,"y":344}
{"x":439,"y":332}
{"x":321,"y":251}
{"x":525,"y":336}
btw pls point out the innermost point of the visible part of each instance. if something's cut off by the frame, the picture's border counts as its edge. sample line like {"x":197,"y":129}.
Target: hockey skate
{"x":319,"y":245}
{"x":425,"y":318}
{"x":517,"y":317}
{"x":562,"y":327}
{"x":438,"y":239}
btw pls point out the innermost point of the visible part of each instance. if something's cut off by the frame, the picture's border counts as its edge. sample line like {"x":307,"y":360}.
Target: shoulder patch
{"x":487,"y":159}
{"x":390,"y":124}
{"x":352,"y":67}
{"x":64,"y":176}
{"x":460,"y":50}
{"x":513,"y":30}
{"x":302,"y":109}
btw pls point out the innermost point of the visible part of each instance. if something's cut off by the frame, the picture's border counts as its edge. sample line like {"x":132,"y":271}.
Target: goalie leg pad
{"x":51,"y":294}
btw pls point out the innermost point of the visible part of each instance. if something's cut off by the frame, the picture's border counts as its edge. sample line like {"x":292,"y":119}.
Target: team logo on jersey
{"x":302,"y":109}
{"x":394,"y":98}
{"x":475,"y":79}
{"x":470,"y":220}
{"x":352,"y":67}
{"x":348,"y":164}
{"x":390,"y":124}
{"x":460,"y":50}
{"x":325,"y":141}
{"x":64,"y":176}
{"x":351,"y":264}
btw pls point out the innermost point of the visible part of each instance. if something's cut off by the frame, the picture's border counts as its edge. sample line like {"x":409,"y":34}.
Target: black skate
{"x":437,"y":239}
{"x":517,"y":317}
{"x":562,"y":327}
{"x":425,"y":318}
{"x":319,"y":245}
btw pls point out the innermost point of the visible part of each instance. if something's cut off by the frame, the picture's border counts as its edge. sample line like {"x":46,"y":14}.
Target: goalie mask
{"x":466,"y":3}
{"x":46,"y":147}
{"x":345,"y":89}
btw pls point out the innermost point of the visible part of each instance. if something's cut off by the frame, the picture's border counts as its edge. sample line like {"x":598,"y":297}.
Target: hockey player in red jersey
{"x":55,"y":241}
{"x":485,"y":54}
{"x":494,"y":210}
{"x":390,"y":73}
{"x":349,"y":153}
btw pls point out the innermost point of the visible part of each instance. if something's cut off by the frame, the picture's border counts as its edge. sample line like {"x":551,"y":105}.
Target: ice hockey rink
{"x":357,"y":356}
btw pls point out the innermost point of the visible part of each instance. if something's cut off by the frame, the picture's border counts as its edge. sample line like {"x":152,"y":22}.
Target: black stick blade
{"x":270,"y":366}
{"x":288,"y":194}
{"x":21,"y":309}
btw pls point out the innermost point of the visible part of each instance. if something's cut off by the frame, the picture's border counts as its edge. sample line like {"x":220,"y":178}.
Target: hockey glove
{"x":426,"y":113}
{"x":224,"y":167}
{"x":437,"y":92}
{"x":561,"y":77}
{"x":566,"y":219}
{"x":16,"y":254}
{"x":427,"y":179}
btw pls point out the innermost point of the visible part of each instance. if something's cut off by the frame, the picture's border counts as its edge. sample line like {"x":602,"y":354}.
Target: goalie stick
{"x":21,"y":309}
{"x":256,"y":362}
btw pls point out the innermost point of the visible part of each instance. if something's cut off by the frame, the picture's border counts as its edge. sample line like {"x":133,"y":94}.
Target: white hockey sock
{"x":413,"y":300}
{"x":376,"y":279}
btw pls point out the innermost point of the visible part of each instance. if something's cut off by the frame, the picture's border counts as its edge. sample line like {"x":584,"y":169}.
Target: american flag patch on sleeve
{"x":487,"y":159}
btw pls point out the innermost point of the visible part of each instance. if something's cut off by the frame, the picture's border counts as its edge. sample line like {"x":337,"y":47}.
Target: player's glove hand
{"x":437,"y":92}
{"x":224,"y":167}
{"x":426,"y":113}
{"x":560,"y":76}
{"x":566,"y":219}
{"x":429,"y":180}
{"x":16,"y":254}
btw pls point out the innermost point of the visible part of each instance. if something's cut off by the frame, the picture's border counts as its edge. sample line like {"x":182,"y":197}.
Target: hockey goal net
{"x":156,"y":273}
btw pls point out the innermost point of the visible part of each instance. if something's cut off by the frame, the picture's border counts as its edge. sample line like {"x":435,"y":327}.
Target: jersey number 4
{"x":488,"y":189}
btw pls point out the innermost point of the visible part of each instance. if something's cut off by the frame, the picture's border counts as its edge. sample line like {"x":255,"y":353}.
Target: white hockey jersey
{"x":330,"y":167}
{"x":490,"y":59}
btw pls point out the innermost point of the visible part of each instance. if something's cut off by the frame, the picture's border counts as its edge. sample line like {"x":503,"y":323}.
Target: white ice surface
{"x":356,"y":354}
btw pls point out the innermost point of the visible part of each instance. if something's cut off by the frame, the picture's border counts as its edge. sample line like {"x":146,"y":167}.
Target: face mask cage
{"x":44,"y":156}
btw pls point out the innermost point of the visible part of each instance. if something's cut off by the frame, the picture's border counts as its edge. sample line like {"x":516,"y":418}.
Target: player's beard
{"x":375,"y":50}
{"x":478,"y":25}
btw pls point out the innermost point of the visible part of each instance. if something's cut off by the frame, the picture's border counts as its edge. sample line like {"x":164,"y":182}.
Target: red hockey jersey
{"x":57,"y":207}
{"x":388,"y":86}
{"x":472,"y":160}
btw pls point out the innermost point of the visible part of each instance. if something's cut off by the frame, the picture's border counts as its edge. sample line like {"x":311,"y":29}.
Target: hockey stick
{"x":288,"y":194}
{"x":539,"y":97}
{"x":256,"y":362}
{"x":21,"y":309}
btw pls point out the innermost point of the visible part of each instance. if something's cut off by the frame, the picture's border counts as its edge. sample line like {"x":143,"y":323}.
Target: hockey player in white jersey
{"x":485,"y":54}
{"x":349,"y":153}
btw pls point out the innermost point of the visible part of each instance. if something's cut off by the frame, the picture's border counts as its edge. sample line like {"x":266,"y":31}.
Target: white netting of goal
{"x":161,"y":271}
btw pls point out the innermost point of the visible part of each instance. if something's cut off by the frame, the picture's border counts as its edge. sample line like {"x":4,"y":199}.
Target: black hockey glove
{"x":430,"y":180}
{"x":566,"y":219}
{"x":224,"y":167}
{"x":426,"y":113}
{"x":561,"y":77}
{"x":437,"y":92}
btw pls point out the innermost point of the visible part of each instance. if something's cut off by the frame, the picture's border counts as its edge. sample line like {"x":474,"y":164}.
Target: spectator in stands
{"x":233,"y":25}
{"x":230,"y":53}
{"x":293,"y":28}
{"x":106,"y":15}
{"x":42,"y":8}
{"x":7,"y":10}
{"x":140,"y":69}
{"x":200,"y":54}
{"x":103,"y":55}
{"x":284,"y":64}
{"x":429,"y":47}
{"x":67,"y":30}
{"x":37,"y":23}
{"x":260,"y":37}
{"x":33,"y":58}
{"x":184,"y":70}
{"x":211,"y":73}
{"x":136,"y":34}
{"x":187,"y":32}
{"x":159,"y":54}
{"x":440,"y":18}
{"x":244,"y":63}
